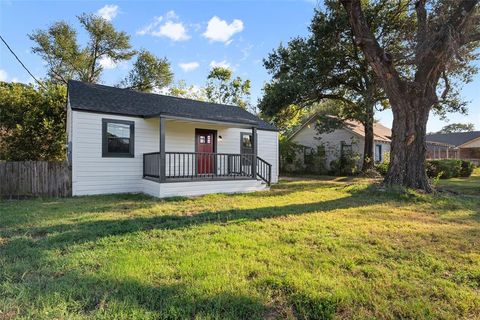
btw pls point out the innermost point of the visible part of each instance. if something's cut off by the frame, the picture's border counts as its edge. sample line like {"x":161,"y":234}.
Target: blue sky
{"x":193,"y":35}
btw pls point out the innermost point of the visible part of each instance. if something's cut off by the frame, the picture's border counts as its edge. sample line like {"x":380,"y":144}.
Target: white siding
{"x":93,"y":174}
{"x":196,"y":188}
{"x":268,"y":150}
{"x":309,"y":137}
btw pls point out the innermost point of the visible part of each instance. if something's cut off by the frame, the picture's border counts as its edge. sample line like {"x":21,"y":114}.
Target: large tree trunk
{"x":408,"y":149}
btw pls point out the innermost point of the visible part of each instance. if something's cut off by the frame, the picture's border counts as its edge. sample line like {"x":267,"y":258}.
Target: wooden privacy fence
{"x":20,"y":179}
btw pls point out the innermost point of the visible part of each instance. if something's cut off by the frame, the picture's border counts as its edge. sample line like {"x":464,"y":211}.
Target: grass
{"x":308,"y":249}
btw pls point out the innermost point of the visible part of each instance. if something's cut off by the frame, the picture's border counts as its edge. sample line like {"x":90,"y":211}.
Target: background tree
{"x":33,"y":122}
{"x":325,"y":65}
{"x":58,"y":46}
{"x":221,"y":88}
{"x":416,"y":72}
{"x":458,"y":127}
{"x":148,"y":73}
{"x":182,"y":90}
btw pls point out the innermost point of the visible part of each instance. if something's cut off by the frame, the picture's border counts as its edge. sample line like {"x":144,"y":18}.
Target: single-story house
{"x":350,"y":137}
{"x":125,"y":141}
{"x":456,"y":145}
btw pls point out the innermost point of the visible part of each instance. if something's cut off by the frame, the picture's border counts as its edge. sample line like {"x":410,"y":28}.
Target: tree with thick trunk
{"x":326,"y":65}
{"x":445,"y":37}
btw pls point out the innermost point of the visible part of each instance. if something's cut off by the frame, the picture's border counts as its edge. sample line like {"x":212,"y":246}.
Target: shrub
{"x":345,"y":165}
{"x":467,"y":168}
{"x":448,"y":168}
{"x":382,"y":167}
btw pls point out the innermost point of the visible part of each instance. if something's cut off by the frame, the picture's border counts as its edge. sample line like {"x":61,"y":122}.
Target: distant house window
{"x":308,"y":155}
{"x":118,"y":138}
{"x":345,"y":149}
{"x":378,"y":153}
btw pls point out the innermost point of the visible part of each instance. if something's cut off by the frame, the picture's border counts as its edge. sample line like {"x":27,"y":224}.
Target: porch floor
{"x":201,"y":178}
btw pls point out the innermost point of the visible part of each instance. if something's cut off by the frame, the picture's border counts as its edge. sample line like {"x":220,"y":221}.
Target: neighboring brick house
{"x":458,"y":145}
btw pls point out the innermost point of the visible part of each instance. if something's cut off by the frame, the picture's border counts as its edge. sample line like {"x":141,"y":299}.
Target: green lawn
{"x":308,"y":249}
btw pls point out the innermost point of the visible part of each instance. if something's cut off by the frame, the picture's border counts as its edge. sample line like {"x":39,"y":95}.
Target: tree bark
{"x":408,"y":148}
{"x":368,"y":155}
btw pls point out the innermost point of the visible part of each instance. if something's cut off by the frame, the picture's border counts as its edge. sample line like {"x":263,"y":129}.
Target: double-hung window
{"x":118,"y":138}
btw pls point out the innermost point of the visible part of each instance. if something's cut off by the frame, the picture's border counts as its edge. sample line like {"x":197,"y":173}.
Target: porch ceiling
{"x":236,"y":124}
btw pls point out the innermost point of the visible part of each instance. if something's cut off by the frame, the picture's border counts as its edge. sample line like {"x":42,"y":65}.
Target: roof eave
{"x":206,"y":120}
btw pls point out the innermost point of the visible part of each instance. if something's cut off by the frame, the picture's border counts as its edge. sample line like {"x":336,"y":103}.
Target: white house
{"x":124,"y":141}
{"x":351,"y":136}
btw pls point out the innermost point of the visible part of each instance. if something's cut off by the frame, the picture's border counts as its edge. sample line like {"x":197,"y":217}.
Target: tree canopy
{"x":458,"y":127}
{"x":222,"y":88}
{"x":326,"y":65}
{"x":420,"y":71}
{"x":33,"y":122}
{"x":148,"y":73}
{"x":67,"y":59}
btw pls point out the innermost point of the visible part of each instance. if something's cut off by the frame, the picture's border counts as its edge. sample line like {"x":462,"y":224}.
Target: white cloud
{"x":189,"y":66}
{"x":107,"y":63}
{"x":3,"y":75}
{"x":172,"y":28}
{"x":222,"y":64}
{"x":108,"y":12}
{"x":220,"y":30}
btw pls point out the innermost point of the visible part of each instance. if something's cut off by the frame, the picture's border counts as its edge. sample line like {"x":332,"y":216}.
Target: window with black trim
{"x":118,"y":138}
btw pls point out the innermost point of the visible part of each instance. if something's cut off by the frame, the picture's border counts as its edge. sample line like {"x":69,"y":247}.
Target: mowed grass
{"x":308,"y":249}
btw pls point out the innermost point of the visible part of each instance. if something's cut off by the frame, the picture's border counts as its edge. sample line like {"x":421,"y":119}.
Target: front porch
{"x":204,"y":162}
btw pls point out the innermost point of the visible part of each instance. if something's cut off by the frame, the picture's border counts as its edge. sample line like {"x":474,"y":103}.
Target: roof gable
{"x":111,"y":100}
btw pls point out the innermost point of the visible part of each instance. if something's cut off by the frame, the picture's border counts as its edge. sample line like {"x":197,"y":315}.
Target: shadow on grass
{"x":130,"y":299}
{"x":167,"y":301}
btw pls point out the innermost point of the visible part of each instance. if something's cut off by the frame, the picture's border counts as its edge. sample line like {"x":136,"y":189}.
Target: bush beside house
{"x":443,"y":169}
{"x":449,"y":168}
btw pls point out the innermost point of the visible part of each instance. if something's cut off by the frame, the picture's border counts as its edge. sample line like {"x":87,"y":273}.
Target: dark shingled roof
{"x":111,"y":100}
{"x":455,"y":139}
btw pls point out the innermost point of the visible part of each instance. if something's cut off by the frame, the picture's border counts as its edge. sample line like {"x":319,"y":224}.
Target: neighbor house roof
{"x":454,"y":139}
{"x":110,"y":100}
{"x":380,"y":132}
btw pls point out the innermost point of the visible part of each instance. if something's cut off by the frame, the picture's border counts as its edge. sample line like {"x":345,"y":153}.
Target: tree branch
{"x":380,"y":62}
{"x":421,"y":24}
{"x":446,"y":90}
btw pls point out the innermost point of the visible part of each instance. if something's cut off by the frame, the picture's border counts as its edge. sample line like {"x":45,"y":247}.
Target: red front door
{"x":205,"y":144}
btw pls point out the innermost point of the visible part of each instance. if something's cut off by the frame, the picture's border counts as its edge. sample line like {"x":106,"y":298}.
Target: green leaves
{"x":33,"y":122}
{"x":59,"y":48}
{"x":458,"y":127}
{"x":222,"y":89}
{"x":148,"y":73}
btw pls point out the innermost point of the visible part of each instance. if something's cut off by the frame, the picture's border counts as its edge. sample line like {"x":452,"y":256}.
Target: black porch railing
{"x":205,"y":166}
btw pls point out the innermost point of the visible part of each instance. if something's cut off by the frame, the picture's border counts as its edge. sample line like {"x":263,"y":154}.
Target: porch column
{"x":161,"y":165}
{"x":255,"y":149}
